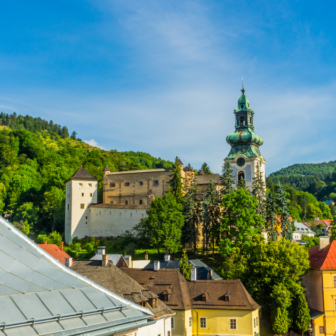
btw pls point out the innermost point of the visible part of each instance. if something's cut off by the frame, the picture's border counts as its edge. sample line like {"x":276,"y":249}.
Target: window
{"x":165,"y":297}
{"x":172,"y":323}
{"x":68,"y":206}
{"x":155,"y":183}
{"x":334,"y":304}
{"x":90,"y":184}
{"x":242,"y":121}
{"x":82,"y":194}
{"x":112,"y":185}
{"x":190,"y":321}
{"x":126,"y":184}
{"x":140,"y":184}
{"x":126,"y":202}
{"x":81,"y":184}
{"x":82,"y":206}
{"x":250,"y":120}
{"x":334,"y":281}
{"x":203,"y":322}
{"x":321,"y":330}
{"x":226,"y":297}
{"x":140,"y":202}
{"x":90,"y":194}
{"x":241,"y":175}
{"x":233,"y":324}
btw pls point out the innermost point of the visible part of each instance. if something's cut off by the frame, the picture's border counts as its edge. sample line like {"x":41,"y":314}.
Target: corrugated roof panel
{"x":94,"y":319}
{"x":116,"y":315}
{"x":99,"y":299}
{"x":22,"y":331}
{"x":55,"y":302}
{"x":48,"y":328}
{"x":78,"y":300}
{"x":72,"y":323}
{"x":9,"y":312}
{"x":30,"y":305}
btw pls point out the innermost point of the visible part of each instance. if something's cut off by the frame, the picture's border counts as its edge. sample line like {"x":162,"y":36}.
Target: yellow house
{"x":320,"y":284}
{"x":203,"y":307}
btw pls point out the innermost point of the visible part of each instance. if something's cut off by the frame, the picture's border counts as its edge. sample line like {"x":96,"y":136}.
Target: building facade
{"x":245,"y":155}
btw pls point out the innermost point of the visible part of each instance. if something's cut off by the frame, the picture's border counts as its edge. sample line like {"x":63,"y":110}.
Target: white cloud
{"x":93,"y":143}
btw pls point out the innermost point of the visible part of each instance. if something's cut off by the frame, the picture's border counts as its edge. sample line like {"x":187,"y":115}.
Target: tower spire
{"x":243,"y":90}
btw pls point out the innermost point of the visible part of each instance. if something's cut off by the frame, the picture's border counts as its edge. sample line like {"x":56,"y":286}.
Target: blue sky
{"x":163,"y":77}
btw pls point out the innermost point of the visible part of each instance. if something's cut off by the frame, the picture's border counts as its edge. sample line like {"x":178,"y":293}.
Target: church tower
{"x":245,"y":155}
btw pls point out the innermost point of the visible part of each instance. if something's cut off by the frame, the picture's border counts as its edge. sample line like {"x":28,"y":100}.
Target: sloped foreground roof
{"x":40,"y":296}
{"x":324,"y":259}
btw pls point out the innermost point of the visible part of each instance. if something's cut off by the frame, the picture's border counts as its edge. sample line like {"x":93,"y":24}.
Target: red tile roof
{"x":55,"y":251}
{"x":324,"y":259}
{"x":324,"y":222}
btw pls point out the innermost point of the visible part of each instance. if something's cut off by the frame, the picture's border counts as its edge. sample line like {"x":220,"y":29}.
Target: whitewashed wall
{"x":161,"y":327}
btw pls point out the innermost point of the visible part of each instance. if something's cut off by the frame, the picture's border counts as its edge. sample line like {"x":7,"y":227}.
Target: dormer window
{"x":165,"y":297}
{"x":226,"y":298}
{"x":204,"y":296}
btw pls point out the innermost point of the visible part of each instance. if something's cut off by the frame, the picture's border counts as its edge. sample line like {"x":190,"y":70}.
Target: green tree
{"x":283,"y":212}
{"x":259,"y":191}
{"x":271,"y":224}
{"x":23,"y":226}
{"x":240,"y":221}
{"x":163,"y":225}
{"x":302,"y":316}
{"x":333,"y":229}
{"x":210,"y":216}
{"x":206,"y":168}
{"x":192,"y":210}
{"x":53,"y":238}
{"x":26,"y":212}
{"x":185,"y":267}
{"x":53,"y":204}
{"x":226,"y":179}
{"x":176,"y":182}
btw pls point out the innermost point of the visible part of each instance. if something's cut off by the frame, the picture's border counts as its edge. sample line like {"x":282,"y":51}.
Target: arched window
{"x":241,"y":175}
{"x":242,"y":121}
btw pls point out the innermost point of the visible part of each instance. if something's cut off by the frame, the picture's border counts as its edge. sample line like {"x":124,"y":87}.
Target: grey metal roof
{"x":82,"y":174}
{"x":202,"y":270}
{"x":113,"y":257}
{"x":301,"y":228}
{"x":40,"y":296}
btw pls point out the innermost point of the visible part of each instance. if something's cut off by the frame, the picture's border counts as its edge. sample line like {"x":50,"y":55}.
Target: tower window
{"x":82,"y":206}
{"x":112,"y":185}
{"x":242,"y":106}
{"x":69,"y":209}
{"x":140,"y":202}
{"x":90,"y":194}
{"x":155,"y":183}
{"x":126,"y":202}
{"x":140,"y":184}
{"x":126,"y":184}
{"x":242,"y":121}
{"x":241,"y":175}
{"x":81,"y":184}
{"x":90,"y":184}
{"x":82,"y":194}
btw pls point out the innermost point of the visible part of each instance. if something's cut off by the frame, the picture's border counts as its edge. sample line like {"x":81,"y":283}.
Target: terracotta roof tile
{"x":55,"y":251}
{"x":324,"y":259}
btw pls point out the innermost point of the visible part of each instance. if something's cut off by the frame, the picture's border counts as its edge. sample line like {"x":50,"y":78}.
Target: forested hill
{"x":35,"y":163}
{"x":316,"y":178}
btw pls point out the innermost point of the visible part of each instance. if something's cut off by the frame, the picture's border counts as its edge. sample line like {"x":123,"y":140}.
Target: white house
{"x":301,"y":230}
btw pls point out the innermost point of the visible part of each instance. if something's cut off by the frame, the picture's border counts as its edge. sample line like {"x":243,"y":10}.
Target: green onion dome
{"x":244,"y":137}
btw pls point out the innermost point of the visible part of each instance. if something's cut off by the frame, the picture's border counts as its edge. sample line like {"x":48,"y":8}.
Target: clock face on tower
{"x":240,"y":162}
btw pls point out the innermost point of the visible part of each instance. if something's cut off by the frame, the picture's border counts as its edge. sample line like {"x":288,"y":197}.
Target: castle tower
{"x":245,"y":154}
{"x":81,"y":191}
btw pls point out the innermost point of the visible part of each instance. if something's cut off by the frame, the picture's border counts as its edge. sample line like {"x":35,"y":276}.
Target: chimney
{"x":101,"y":250}
{"x":68,"y":262}
{"x":62,"y":246}
{"x":129,"y":262}
{"x":105,"y":260}
{"x":146,"y":255}
{"x":156,"y":265}
{"x":193,"y":273}
{"x":323,"y":242}
{"x":167,"y":256}
{"x":210,"y":274}
{"x":316,"y":219}
{"x":46,"y":242}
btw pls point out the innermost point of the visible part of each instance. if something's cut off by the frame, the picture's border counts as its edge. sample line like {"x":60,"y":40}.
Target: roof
{"x":156,"y":170}
{"x":82,"y":174}
{"x":202,"y":270}
{"x":55,"y":251}
{"x":179,"y":162}
{"x":39,"y":295}
{"x":205,"y":179}
{"x":112,"y":257}
{"x":314,"y":314}
{"x":324,"y":222}
{"x":117,"y":281}
{"x":188,"y":168}
{"x":324,"y":259}
{"x":301,"y":228}
{"x":187,"y":294}
{"x":106,"y":168}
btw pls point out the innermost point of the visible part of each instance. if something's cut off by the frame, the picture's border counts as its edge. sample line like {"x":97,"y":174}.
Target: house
{"x":204,"y":272}
{"x":112,"y":278}
{"x":117,"y":259}
{"x":55,"y":251}
{"x":40,"y":296}
{"x":320,"y":284}
{"x":329,"y":202}
{"x":202,"y":307}
{"x":301,"y":230}
{"x":326,"y":225}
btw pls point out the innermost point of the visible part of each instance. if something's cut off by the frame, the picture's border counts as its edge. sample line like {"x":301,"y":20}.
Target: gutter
{"x":71,"y":272}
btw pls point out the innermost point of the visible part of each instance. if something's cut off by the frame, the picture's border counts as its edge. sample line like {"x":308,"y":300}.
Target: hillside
{"x":316,"y":178}
{"x":35,"y":163}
